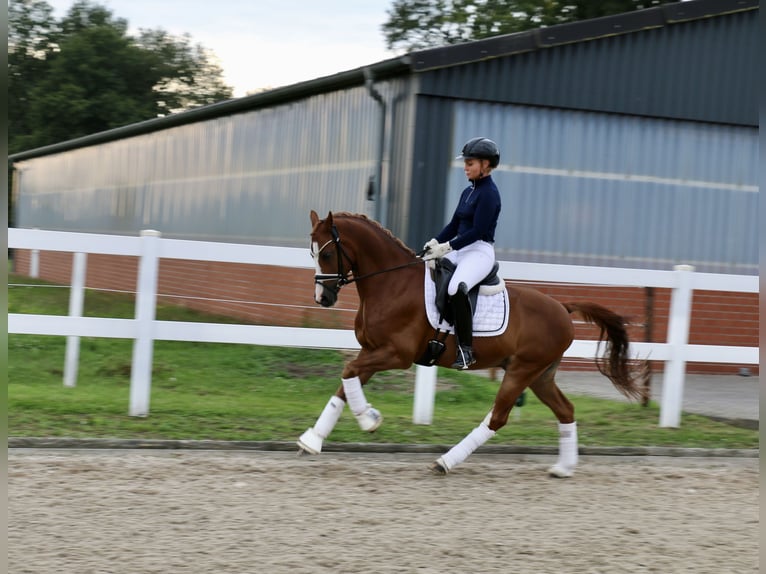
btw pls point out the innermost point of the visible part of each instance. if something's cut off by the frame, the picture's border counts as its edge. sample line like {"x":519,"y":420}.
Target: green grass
{"x":242,"y":392}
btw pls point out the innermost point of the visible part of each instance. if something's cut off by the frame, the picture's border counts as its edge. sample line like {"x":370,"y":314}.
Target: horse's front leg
{"x":355,"y":374}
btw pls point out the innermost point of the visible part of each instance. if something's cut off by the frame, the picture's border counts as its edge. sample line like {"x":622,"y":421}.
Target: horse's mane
{"x":375,"y":224}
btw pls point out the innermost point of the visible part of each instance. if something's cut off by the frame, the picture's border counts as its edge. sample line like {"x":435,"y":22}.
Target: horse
{"x":392,"y":329}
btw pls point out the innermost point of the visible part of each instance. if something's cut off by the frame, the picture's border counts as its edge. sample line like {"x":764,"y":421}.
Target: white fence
{"x":144,"y":329}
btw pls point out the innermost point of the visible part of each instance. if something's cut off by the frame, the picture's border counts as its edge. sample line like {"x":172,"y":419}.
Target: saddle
{"x":443,"y":272}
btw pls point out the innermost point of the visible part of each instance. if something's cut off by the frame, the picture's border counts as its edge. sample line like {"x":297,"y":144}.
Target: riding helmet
{"x":481,"y":148}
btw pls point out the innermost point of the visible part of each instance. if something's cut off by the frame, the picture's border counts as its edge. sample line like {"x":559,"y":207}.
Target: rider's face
{"x":474,"y":168}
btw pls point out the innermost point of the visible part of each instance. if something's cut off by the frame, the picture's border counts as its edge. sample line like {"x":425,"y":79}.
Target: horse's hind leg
{"x":548,"y":392}
{"x":517,"y":377}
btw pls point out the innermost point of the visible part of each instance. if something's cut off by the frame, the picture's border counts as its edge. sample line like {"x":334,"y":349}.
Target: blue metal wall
{"x":703,"y":70}
{"x":600,"y":189}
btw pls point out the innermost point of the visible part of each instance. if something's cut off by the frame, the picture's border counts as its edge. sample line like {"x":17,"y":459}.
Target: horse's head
{"x":331,"y":261}
{"x":365,"y":249}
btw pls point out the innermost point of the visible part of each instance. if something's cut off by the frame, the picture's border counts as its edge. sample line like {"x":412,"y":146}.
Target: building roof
{"x":572,"y":32}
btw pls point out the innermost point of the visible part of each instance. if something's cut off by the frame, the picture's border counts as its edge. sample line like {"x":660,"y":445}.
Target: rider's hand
{"x":430,"y":244}
{"x":437,"y":251}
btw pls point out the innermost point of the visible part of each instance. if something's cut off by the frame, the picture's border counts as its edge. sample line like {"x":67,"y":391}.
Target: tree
{"x":97,"y":80}
{"x":420,"y":24}
{"x":86,"y":74}
{"x":191,"y":73}
{"x":32,"y":33}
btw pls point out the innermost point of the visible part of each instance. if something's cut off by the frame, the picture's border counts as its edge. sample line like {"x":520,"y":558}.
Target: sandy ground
{"x":96,"y":512}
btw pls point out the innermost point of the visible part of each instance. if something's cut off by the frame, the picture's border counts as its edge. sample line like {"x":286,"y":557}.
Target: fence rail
{"x":145,"y":329}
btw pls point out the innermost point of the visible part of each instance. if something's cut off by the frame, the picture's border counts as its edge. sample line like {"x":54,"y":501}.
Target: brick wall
{"x":283,"y":296}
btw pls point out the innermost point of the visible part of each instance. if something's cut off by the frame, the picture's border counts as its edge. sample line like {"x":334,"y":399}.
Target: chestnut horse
{"x":393,"y":330}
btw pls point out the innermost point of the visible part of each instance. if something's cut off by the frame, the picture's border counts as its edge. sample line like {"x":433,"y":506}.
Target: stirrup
{"x":464,"y":358}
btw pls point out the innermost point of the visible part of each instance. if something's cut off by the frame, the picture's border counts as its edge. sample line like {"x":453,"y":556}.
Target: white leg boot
{"x":369,"y":419}
{"x":464,"y":448}
{"x":311,"y":440}
{"x":567,"y":462}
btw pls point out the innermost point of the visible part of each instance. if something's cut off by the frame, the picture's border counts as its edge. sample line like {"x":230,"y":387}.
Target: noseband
{"x":342,"y":277}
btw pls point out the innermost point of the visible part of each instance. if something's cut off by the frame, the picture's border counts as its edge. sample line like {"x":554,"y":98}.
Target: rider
{"x":467,"y":240}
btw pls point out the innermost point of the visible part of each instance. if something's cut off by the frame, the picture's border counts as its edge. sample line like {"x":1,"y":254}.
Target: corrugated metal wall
{"x":248,"y":177}
{"x":398,"y":164}
{"x":599,"y":189}
{"x":702,"y":70}
{"x":433,"y":147}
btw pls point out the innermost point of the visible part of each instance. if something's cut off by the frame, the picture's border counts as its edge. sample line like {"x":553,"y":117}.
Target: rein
{"x":402,"y":266}
{"x":341,"y":276}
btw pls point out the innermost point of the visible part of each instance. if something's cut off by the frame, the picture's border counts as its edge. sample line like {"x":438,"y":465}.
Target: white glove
{"x":430,"y":245}
{"x":438,"y":251}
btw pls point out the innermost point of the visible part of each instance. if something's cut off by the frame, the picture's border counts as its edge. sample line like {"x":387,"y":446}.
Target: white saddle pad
{"x":490,"y":318}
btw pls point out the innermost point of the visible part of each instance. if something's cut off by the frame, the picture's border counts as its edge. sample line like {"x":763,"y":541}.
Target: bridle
{"x":341,"y":277}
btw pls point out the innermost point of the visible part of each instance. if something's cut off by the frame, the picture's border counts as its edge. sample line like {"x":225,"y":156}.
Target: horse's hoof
{"x":438,"y":469}
{"x":309,"y":442}
{"x":369,"y":420}
{"x":558,"y":471}
{"x":302,"y":450}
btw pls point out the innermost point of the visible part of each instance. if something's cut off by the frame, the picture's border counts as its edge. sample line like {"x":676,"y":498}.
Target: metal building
{"x":625,"y":141}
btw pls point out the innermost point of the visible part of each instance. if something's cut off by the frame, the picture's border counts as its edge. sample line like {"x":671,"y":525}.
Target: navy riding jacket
{"x":475,"y":216}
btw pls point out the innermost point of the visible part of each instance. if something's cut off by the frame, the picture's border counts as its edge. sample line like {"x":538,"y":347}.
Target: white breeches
{"x":474,"y":262}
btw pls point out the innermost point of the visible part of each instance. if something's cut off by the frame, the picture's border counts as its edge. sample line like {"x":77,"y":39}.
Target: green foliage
{"x":190,"y":74}
{"x":85,"y":74}
{"x":32,"y":31}
{"x":98,"y":81}
{"x":243,"y":392}
{"x":421,"y":24}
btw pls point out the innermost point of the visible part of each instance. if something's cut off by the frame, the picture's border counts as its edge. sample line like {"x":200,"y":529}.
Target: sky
{"x":266,"y":43}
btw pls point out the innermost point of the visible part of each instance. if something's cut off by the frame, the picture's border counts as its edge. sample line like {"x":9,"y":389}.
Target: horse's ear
{"x":329,"y":218}
{"x":314,"y":217}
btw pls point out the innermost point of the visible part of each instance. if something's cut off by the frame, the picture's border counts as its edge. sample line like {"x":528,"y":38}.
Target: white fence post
{"x":76,"y":300}
{"x":143,"y":346}
{"x":678,"y":337}
{"x":425,"y":391}
{"x":34,"y":262}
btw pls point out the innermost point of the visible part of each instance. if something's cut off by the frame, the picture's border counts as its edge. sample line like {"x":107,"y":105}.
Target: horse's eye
{"x":326,"y":256}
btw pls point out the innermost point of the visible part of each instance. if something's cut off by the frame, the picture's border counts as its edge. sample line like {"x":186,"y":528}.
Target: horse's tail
{"x":615,"y":364}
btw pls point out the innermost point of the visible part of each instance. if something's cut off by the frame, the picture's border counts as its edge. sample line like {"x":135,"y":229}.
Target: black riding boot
{"x":461,"y":311}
